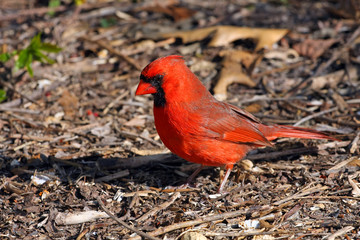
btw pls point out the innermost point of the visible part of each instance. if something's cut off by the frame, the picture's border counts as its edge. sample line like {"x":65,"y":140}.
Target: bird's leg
{"x":193,"y":175}
{"x":223,"y":182}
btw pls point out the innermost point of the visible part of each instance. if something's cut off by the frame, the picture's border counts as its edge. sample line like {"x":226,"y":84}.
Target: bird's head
{"x":154,"y":78}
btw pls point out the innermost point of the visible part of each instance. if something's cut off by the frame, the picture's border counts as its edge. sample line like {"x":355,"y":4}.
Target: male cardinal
{"x":197,"y":127}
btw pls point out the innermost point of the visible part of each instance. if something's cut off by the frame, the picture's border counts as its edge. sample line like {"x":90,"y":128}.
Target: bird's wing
{"x":233,"y":124}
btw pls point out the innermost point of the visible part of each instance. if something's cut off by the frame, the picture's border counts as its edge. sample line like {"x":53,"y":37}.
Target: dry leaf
{"x":247,"y":59}
{"x":74,"y":31}
{"x":102,"y":131}
{"x":340,"y":102}
{"x":223,"y":35}
{"x":355,"y":162}
{"x":347,"y":9}
{"x":333,"y":79}
{"x":284,"y":55}
{"x":146,"y":152}
{"x":176,"y":12}
{"x":253,"y":108}
{"x":69,"y":102}
{"x":313,"y":48}
{"x":138,"y":121}
{"x":193,"y":236}
{"x":356,"y":191}
{"x":146,"y":45}
{"x":232,"y":72}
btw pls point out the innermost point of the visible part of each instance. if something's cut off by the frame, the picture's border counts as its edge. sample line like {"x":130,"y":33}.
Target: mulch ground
{"x":76,"y":143}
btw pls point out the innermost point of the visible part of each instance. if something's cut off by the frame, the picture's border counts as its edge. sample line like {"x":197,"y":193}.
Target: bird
{"x":197,"y":127}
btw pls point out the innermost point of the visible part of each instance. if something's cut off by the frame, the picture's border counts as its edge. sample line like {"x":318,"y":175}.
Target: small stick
{"x":7,"y":180}
{"x":134,"y":135}
{"x":334,"y":57}
{"x":30,"y":12}
{"x":140,"y":233}
{"x":113,"y":176}
{"x":34,"y":96}
{"x":159,"y":208}
{"x":354,"y":143}
{"x":340,"y":232}
{"x":307,"y":118}
{"x":19,"y":110}
{"x":258,"y":233}
{"x":198,"y":221}
{"x":301,"y":194}
{"x":107,"y":46}
{"x":280,"y":69}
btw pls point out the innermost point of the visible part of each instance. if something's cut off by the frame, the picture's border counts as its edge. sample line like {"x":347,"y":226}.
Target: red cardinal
{"x":197,"y":127}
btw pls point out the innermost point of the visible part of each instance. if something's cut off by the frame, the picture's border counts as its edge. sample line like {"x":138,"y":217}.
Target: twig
{"x":329,"y":197}
{"x":113,"y":176}
{"x":198,"y":221}
{"x":340,"y":165}
{"x":69,"y":163}
{"x":330,"y":120}
{"x":27,"y":120}
{"x":31,"y":137}
{"x":337,"y":54}
{"x":45,"y":10}
{"x":281,"y":153}
{"x":108,"y":47}
{"x":36,"y":95}
{"x":7,"y":180}
{"x":280,"y":69}
{"x":13,"y":88}
{"x":66,"y":218}
{"x":159,"y":208}
{"x":266,"y":98}
{"x":354,"y":143}
{"x":112,"y":103}
{"x":258,"y":233}
{"x":334,"y":57}
{"x":30,"y":12}
{"x":356,"y":191}
{"x":307,"y":118}
{"x":340,"y":232}
{"x":301,"y":194}
{"x":140,"y":233}
{"x":134,"y":135}
{"x":134,"y":162}
{"x":19,"y":110}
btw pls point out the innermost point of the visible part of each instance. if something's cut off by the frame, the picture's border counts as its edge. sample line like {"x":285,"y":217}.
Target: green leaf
{"x":2,"y":95}
{"x":107,"y":22}
{"x":28,"y":65}
{"x":53,"y":4}
{"x":47,"y":47}
{"x":39,"y":56}
{"x":4,"y":57}
{"x":23,"y":58}
{"x":35,"y":42}
{"x":34,"y":52}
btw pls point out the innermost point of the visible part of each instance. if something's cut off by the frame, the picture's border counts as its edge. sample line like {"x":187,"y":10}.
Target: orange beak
{"x":145,"y":88}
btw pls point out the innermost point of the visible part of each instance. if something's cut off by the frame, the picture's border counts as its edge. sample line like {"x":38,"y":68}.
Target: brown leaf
{"x":253,"y":108}
{"x":347,"y":9}
{"x":247,"y":59}
{"x":223,"y":35}
{"x":172,"y":10}
{"x":333,"y":79}
{"x":138,"y":121}
{"x":313,"y":48}
{"x":355,"y":162}
{"x":232,"y":72}
{"x":69,"y":102}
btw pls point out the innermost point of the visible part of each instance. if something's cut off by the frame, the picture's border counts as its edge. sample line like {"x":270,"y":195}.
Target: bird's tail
{"x":276,"y":131}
